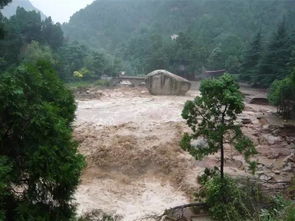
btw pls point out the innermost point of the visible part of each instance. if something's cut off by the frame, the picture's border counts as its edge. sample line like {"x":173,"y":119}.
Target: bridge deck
{"x":132,"y":77}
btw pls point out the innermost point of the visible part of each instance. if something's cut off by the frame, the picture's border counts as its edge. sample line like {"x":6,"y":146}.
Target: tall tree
{"x":274,"y":64}
{"x":252,"y":58}
{"x":3,"y":3}
{"x":182,"y":58}
{"x":216,"y":59}
{"x":28,"y":24}
{"x":157,"y":58}
{"x":52,"y":33}
{"x":71,"y":58}
{"x":282,"y":95}
{"x":213,"y":118}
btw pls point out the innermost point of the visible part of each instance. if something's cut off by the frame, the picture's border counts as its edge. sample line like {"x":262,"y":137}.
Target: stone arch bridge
{"x":131,"y":80}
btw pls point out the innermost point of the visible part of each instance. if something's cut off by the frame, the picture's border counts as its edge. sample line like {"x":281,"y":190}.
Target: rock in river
{"x":162,"y":82}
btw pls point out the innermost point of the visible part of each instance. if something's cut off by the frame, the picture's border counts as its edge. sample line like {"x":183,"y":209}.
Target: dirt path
{"x":135,"y":165}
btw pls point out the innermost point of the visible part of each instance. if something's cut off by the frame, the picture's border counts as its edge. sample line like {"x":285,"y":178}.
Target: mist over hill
{"x":134,"y":29}
{"x":107,"y":23}
{"x":10,"y":9}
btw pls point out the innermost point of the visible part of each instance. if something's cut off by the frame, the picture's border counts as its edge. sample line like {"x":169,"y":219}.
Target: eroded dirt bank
{"x":135,"y":165}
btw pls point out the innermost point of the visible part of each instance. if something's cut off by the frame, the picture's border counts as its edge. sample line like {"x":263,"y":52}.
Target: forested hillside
{"x":26,"y":38}
{"x":211,"y":34}
{"x":10,"y":9}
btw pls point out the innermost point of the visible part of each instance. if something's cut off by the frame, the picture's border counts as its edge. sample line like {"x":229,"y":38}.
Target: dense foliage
{"x":28,"y":37}
{"x":264,"y":63}
{"x":211,"y":34}
{"x":39,"y":163}
{"x":11,"y":8}
{"x":36,"y":146}
{"x":242,"y":199}
{"x":23,"y":28}
{"x":282,"y":95}
{"x":252,"y":56}
{"x":36,"y":113}
{"x":73,"y":58}
{"x":3,"y":3}
{"x":236,"y":204}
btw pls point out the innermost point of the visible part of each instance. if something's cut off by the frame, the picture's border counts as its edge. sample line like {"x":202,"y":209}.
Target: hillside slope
{"x":215,"y":32}
{"x":10,"y":9}
{"x":109,"y":23}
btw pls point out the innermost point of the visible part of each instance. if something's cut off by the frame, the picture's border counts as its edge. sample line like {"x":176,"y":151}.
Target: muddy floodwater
{"x":135,"y":166}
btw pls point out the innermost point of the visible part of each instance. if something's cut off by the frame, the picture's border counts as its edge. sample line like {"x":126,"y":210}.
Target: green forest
{"x":26,"y":38}
{"x":253,"y":41}
{"x":212,"y":35}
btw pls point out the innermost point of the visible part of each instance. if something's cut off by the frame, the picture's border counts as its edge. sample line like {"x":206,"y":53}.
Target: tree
{"x":39,"y":163}
{"x":97,"y":64}
{"x":71,"y":58}
{"x":213,"y":118}
{"x":216,"y":59}
{"x":204,"y":22}
{"x":252,"y":59}
{"x":27,"y":24}
{"x":182,"y":56}
{"x":21,"y":30}
{"x":52,"y":34}
{"x":3,"y":3}
{"x":274,"y":64}
{"x":34,"y":52}
{"x":157,"y":58}
{"x":282,"y":95}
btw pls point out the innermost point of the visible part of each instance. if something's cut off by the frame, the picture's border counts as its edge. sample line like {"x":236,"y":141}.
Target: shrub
{"x":282,"y":95}
{"x":224,"y":199}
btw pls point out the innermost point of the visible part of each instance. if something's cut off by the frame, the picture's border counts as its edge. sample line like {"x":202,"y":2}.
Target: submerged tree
{"x":213,"y":118}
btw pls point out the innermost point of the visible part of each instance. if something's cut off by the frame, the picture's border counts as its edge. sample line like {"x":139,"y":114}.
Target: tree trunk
{"x":221,"y":145}
{"x":221,"y":158}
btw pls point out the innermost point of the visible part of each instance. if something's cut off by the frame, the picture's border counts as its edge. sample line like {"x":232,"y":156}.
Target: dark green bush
{"x":224,"y":199}
{"x":39,"y":163}
{"x":242,"y":199}
{"x":282,"y":95}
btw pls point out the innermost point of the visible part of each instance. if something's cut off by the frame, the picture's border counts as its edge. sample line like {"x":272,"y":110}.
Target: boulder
{"x":269,"y":139}
{"x":246,"y":121}
{"x":259,"y":101}
{"x":162,"y":82}
{"x":265,"y":177}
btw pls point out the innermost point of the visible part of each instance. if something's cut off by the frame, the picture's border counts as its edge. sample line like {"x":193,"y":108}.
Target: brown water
{"x":135,"y":165}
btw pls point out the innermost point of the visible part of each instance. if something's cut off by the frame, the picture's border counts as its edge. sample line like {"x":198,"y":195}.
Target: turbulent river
{"x":135,"y":167}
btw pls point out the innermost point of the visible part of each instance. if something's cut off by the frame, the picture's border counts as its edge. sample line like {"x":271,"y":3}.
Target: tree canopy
{"x":282,"y":95}
{"x":213,"y":117}
{"x":36,"y":146}
{"x":28,"y":37}
{"x":3,"y":3}
{"x":184,"y":37}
